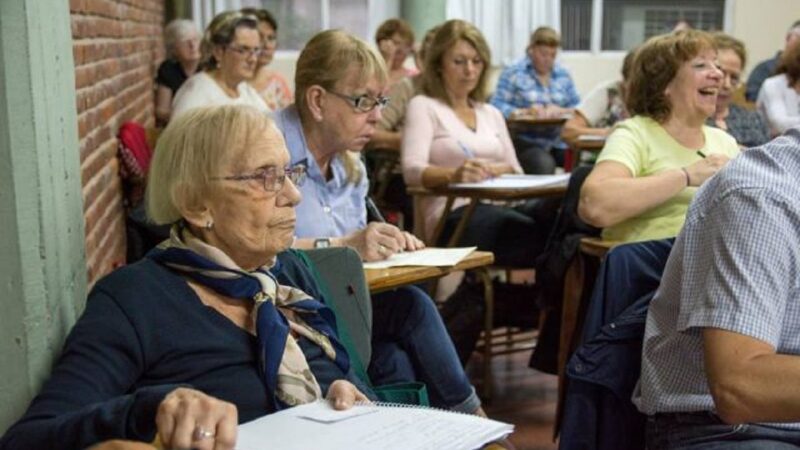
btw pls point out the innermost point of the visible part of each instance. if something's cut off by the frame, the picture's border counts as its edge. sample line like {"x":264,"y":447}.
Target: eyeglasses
{"x":363,"y":103}
{"x":246,"y":51}
{"x":272,"y":178}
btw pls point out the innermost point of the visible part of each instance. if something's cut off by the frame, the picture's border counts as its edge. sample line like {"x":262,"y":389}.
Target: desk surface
{"x":493,"y":193}
{"x":384,"y":279}
{"x":590,"y":144}
{"x":532,"y":122}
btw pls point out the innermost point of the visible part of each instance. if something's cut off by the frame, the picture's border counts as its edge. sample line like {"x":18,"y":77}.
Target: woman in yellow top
{"x":652,"y":163}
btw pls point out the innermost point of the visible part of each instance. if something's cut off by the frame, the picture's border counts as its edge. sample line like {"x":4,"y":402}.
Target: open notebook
{"x":384,"y":426}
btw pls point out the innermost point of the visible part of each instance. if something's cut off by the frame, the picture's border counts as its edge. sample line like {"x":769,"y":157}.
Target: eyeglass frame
{"x":297,"y":174}
{"x":380,"y":101}
{"x":246,"y":51}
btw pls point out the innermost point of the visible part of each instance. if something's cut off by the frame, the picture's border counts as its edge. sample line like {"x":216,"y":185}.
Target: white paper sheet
{"x":591,"y":138}
{"x":384,"y":427}
{"x":517,"y":181}
{"x":438,"y":257}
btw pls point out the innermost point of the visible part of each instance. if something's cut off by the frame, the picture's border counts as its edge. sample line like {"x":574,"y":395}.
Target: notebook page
{"x":385,"y":427}
{"x":432,"y":256}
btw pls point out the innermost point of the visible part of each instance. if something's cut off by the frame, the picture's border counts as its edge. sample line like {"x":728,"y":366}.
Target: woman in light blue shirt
{"x":340,"y":84}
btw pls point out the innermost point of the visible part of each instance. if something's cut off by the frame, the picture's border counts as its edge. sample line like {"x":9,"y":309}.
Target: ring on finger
{"x":201,"y":433}
{"x":382,"y":248}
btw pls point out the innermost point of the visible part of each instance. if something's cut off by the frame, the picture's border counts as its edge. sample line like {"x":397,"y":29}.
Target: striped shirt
{"x":734,"y":267}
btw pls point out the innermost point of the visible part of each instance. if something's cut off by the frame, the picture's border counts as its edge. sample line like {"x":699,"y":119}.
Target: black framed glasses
{"x":246,"y":51}
{"x":363,"y":103}
{"x":272,"y":178}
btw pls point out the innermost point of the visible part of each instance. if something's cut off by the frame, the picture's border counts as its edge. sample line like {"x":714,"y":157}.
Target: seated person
{"x":389,"y":134}
{"x":182,"y":42}
{"x":721,"y":354}
{"x":747,"y":127}
{"x":602,"y":107}
{"x":340,"y":82}
{"x":451,"y":136}
{"x":766,"y":69}
{"x":231,"y":47}
{"x":652,"y":163}
{"x":269,"y":83}
{"x":395,"y":40}
{"x":537,"y":85}
{"x":197,"y":336}
{"x":779,"y":98}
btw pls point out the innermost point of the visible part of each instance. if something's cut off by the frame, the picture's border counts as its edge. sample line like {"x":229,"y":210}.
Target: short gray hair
{"x":176,"y":31}
{"x":191,"y":151}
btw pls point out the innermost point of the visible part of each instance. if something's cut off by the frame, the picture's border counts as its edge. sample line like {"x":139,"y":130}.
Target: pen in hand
{"x":376,"y":213}
{"x":467,"y":152}
{"x":701,"y":154}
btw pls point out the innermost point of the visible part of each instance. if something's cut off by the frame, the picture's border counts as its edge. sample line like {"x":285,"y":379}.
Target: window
{"x":576,"y":24}
{"x":299,"y":20}
{"x":627,"y":23}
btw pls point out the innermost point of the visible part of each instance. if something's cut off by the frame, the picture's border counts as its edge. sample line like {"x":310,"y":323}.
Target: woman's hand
{"x":343,"y":394}
{"x":472,"y":171}
{"x":188,"y":418}
{"x":377,"y":241}
{"x":702,"y":170}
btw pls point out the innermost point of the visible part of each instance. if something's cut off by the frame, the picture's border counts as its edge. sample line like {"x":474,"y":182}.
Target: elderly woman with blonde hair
{"x":340,"y":83}
{"x":231,"y":48}
{"x":198,"y":336}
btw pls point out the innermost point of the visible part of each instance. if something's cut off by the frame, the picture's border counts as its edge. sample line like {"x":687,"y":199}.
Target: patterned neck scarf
{"x":285,"y":370}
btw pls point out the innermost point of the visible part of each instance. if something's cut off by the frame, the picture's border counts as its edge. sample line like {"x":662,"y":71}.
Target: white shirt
{"x":779,"y":104}
{"x":202,"y":90}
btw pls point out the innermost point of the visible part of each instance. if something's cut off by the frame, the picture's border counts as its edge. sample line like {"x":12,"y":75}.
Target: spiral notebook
{"x":382,"y":425}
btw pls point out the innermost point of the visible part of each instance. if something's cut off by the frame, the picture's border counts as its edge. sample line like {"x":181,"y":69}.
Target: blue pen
{"x":467,"y":152}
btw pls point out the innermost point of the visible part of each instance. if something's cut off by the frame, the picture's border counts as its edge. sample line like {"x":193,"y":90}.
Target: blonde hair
{"x":191,"y":151}
{"x":448,"y":34}
{"x":221,"y":32}
{"x":326,"y":59}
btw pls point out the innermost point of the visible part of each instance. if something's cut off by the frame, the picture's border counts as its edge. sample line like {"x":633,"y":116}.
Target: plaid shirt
{"x":733,"y":267}
{"x":518,"y":87}
{"x":747,"y":127}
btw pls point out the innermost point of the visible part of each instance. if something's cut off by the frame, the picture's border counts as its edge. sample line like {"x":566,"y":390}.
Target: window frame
{"x":596,"y":39}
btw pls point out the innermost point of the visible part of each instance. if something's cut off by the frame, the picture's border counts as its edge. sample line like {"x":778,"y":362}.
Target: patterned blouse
{"x":747,"y":127}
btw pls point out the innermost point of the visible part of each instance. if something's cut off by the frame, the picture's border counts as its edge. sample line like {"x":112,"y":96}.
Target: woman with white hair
{"x":199,"y":335}
{"x":182,"y":42}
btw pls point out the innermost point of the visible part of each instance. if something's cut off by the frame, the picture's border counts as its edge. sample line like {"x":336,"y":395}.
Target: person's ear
{"x":315,"y":101}
{"x":194,"y":208}
{"x":218,"y":51}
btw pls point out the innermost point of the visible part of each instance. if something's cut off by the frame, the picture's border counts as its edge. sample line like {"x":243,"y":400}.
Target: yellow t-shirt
{"x":645,"y":148}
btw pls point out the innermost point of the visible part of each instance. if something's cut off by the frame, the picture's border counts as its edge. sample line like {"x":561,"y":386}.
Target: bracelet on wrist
{"x":686,"y":173}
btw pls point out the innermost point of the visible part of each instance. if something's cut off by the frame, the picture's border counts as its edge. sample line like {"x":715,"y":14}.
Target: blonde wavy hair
{"x":326,"y":59}
{"x":191,"y":151}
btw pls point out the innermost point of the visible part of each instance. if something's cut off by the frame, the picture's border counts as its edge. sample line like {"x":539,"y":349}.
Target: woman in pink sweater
{"x":452,"y":135}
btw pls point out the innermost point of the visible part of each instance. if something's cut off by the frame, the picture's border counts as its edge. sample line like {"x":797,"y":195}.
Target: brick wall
{"x":117,"y":46}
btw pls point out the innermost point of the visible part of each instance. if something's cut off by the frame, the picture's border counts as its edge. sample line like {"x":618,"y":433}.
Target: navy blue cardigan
{"x":144,"y":333}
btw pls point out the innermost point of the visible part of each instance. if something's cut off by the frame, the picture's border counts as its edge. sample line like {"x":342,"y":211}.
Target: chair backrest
{"x":336,"y":276}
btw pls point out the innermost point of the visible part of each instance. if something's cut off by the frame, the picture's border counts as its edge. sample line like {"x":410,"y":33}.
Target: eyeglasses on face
{"x":363,"y":103}
{"x":246,"y":51}
{"x":272,"y":178}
